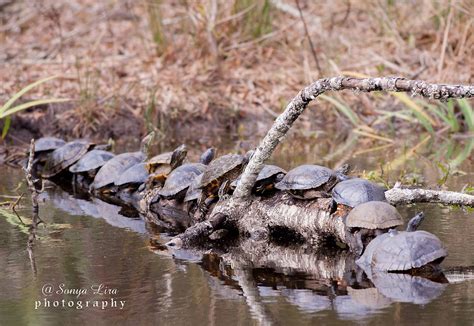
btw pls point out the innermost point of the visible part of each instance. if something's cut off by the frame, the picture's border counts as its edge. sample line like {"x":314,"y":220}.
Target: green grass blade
{"x":27,"y":105}
{"x":468,"y":113}
{"x":6,"y":126}
{"x":16,"y":96}
{"x":344,"y":109}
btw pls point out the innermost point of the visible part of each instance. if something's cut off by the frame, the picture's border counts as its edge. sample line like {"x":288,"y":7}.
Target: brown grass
{"x":217,"y":55}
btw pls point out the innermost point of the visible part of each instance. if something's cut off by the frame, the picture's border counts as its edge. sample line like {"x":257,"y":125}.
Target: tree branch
{"x":284,"y":122}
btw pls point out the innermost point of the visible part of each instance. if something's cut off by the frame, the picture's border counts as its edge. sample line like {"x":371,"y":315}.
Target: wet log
{"x":312,"y":221}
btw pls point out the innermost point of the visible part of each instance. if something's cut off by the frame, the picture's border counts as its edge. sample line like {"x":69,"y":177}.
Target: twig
{"x":14,"y":204}
{"x":313,"y":50}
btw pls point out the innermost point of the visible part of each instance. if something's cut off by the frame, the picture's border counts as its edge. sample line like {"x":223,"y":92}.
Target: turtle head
{"x":179,"y":154}
{"x":208,"y":156}
{"x":343,"y":171}
{"x":415,"y":222}
{"x":146,"y":143}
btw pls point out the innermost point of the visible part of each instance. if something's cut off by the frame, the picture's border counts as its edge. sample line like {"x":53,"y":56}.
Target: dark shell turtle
{"x":180,"y":179}
{"x":132,"y":177}
{"x":161,"y":165}
{"x":402,"y":251}
{"x":266,"y":179}
{"x":91,"y":161}
{"x":365,"y":261}
{"x":353,"y":192}
{"x":65,"y":156}
{"x":114,"y":167}
{"x":308,"y":181}
{"x":194,"y":192}
{"x":224,"y":168}
{"x":46,"y":144}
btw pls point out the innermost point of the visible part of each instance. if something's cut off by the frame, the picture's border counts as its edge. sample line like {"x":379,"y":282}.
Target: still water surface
{"x":87,"y":244}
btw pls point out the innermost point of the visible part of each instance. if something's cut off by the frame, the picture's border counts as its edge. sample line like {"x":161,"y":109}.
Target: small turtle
{"x":194,"y":192}
{"x":266,"y":179}
{"x":132,"y":177}
{"x":353,"y":192}
{"x":91,"y":162}
{"x":115,"y":167}
{"x":366,"y":259}
{"x":161,"y":165}
{"x":371,"y":219}
{"x":224,"y":168}
{"x":46,"y":145}
{"x":180,"y":179}
{"x":311,"y":181}
{"x":65,"y":156}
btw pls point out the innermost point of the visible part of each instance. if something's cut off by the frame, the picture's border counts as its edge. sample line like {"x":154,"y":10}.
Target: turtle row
{"x":200,"y":184}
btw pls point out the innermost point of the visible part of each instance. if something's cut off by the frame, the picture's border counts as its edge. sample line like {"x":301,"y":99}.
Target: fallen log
{"x":259,"y":217}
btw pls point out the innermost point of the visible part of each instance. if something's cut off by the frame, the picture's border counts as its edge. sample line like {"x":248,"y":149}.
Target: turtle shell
{"x":65,"y":156}
{"x":306,"y":177}
{"x":181,"y":178}
{"x":114,"y":167}
{"x":406,"y":250}
{"x":365,"y":260}
{"x":194,"y":192}
{"x":373,"y":215}
{"x":220,"y":167}
{"x":267,"y":172}
{"x":48,"y":144}
{"x":353,"y":192}
{"x":91,"y":161}
{"x":134,"y":175}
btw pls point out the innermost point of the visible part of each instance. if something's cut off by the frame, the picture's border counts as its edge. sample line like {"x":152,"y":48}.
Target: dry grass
{"x":198,"y":56}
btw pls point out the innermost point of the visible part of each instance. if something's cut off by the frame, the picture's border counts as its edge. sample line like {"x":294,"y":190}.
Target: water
{"x":88,"y":243}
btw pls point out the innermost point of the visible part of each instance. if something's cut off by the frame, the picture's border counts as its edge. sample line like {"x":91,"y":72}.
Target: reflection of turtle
{"x":91,"y":162}
{"x":65,"y":156}
{"x":401,"y":287}
{"x":353,"y":192}
{"x":266,"y":179}
{"x":161,"y":165}
{"x":371,"y":219}
{"x":113,"y":168}
{"x":311,"y":181}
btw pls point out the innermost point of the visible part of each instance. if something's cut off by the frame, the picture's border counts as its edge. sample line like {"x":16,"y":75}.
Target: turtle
{"x":114,"y":167}
{"x":180,"y":179}
{"x":311,"y":181}
{"x":65,"y":156}
{"x":222,"y":170}
{"x":194,"y":192}
{"x":370,"y":219}
{"x":366,"y":259}
{"x":405,"y":250}
{"x":132,"y":177}
{"x":161,"y":165}
{"x":91,"y":162}
{"x":353,"y":192}
{"x":45,"y":145}
{"x":266,"y":179}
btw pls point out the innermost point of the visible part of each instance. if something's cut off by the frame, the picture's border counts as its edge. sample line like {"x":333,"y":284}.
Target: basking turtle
{"x":65,"y":156}
{"x":90,"y":163}
{"x":161,"y":165}
{"x":266,"y":179}
{"x":223,"y":169}
{"x":113,"y":168}
{"x":194,"y":192}
{"x":46,"y":145}
{"x":311,"y":181}
{"x":405,"y":250}
{"x":353,"y":192}
{"x":366,"y":259}
{"x":371,"y":219}
{"x":182,"y":177}
{"x":132,"y":177}
{"x":104,"y":180}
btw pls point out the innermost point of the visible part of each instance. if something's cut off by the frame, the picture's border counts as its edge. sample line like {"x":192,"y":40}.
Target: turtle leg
{"x":205,"y":205}
{"x":223,"y":190}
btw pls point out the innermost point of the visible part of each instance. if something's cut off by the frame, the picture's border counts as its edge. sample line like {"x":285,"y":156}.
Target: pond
{"x":90,"y":254}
